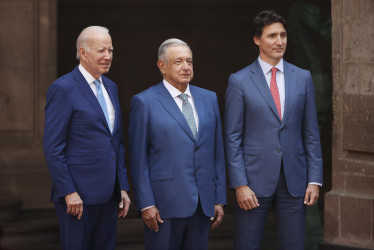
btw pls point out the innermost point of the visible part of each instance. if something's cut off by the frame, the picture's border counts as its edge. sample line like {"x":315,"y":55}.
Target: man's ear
{"x":83,"y":53}
{"x":256,"y":40}
{"x":161,"y":66}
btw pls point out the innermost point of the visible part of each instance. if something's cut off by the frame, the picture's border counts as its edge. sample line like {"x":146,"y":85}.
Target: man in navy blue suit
{"x":84,"y":148}
{"x":176,"y":155}
{"x":272,"y":141}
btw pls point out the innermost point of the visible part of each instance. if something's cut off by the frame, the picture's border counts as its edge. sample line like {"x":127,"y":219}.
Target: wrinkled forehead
{"x":178,"y":51}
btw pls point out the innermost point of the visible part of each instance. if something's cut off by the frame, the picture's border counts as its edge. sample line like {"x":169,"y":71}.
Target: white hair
{"x":86,"y":35}
{"x":172,"y":42}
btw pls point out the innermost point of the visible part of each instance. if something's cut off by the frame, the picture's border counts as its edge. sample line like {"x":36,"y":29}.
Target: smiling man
{"x":272,"y":141}
{"x":84,"y":148}
{"x":176,"y":155}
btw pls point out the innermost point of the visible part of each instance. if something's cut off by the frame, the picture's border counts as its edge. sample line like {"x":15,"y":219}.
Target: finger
{"x":68,"y":210}
{"x":126,"y":209}
{"x":120,"y":213}
{"x":159,"y":218}
{"x":306,"y":197}
{"x":80,"y":212}
{"x":120,"y":204}
{"x":244,"y":205}
{"x":72,"y":210}
{"x":255,"y":200}
{"x":154,"y":224}
{"x":252,"y":203}
{"x":313,"y":199}
{"x":149,"y":224}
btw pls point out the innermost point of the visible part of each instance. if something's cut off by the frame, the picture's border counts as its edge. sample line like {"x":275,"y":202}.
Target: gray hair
{"x":172,"y":42}
{"x":86,"y":35}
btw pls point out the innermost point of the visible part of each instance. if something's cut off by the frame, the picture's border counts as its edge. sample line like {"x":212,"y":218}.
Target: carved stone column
{"x":349,"y":207}
{"x":27,"y":68}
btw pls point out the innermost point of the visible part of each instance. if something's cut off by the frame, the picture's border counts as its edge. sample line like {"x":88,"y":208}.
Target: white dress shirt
{"x":90,"y":80}
{"x":174,"y":92}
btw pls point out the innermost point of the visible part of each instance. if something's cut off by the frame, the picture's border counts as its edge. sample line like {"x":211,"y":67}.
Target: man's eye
{"x":178,"y":62}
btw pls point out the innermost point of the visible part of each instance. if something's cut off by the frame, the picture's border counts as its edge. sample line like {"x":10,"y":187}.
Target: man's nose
{"x":279,"y":40}
{"x":107,"y":55}
{"x":186,"y":65}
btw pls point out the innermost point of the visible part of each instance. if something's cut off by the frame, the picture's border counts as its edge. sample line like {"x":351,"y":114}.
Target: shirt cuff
{"x":315,"y":183}
{"x":146,"y":208}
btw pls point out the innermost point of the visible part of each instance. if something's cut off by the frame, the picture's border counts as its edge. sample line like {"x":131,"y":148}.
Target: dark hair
{"x":265,"y":18}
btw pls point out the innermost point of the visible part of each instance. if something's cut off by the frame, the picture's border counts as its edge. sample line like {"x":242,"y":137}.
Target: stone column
{"x":27,"y":68}
{"x":349,"y":207}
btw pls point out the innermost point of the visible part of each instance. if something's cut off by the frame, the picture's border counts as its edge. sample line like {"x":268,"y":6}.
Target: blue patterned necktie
{"x":188,"y":113}
{"x":101,"y":99}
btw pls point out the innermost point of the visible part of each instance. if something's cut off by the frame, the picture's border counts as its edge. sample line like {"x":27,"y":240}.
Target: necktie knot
{"x":97,"y":83}
{"x":274,"y":71}
{"x":184,"y":97}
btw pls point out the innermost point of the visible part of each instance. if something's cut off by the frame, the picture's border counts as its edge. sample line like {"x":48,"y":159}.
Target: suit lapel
{"x":172,"y":108}
{"x":259,"y":81}
{"x":290,"y":87}
{"x":89,"y":95}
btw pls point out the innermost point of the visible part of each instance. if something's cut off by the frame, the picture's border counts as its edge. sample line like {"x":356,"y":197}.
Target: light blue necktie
{"x":188,"y":113}
{"x":101,"y":99}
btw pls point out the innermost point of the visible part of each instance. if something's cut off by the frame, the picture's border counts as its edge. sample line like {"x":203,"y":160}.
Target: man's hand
{"x":124,"y":204}
{"x":151,"y":217}
{"x":218,"y":216}
{"x":74,"y":204}
{"x":311,"y":195}
{"x":246,"y":198}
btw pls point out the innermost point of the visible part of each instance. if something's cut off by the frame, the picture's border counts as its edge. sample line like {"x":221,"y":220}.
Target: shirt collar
{"x":267,"y":67}
{"x":89,"y":78}
{"x":174,"y":91}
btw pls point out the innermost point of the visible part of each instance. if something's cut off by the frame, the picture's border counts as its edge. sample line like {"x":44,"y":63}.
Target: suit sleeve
{"x":58,"y":114}
{"x":219,"y":161}
{"x":139,"y":143}
{"x":122,"y":172}
{"x":311,"y":137}
{"x":234,"y":127}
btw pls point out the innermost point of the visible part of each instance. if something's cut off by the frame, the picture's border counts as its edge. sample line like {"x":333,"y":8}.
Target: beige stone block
{"x":331,"y":217}
{"x":360,"y":184}
{"x":338,"y":180}
{"x":359,"y":78}
{"x":358,"y":123}
{"x":355,"y":223}
{"x":357,"y":42}
{"x":17,"y":66}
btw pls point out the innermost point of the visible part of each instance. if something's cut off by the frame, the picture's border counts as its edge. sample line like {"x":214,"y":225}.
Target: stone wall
{"x":27,"y":67}
{"x":349,"y":207}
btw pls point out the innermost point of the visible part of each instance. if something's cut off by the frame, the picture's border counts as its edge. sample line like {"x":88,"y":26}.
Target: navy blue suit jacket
{"x":82,"y":154}
{"x":169,"y":168}
{"x":256,"y":139}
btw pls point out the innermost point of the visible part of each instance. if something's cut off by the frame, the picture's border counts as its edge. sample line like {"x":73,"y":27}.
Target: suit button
{"x":196,"y":149}
{"x":279,"y":150}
